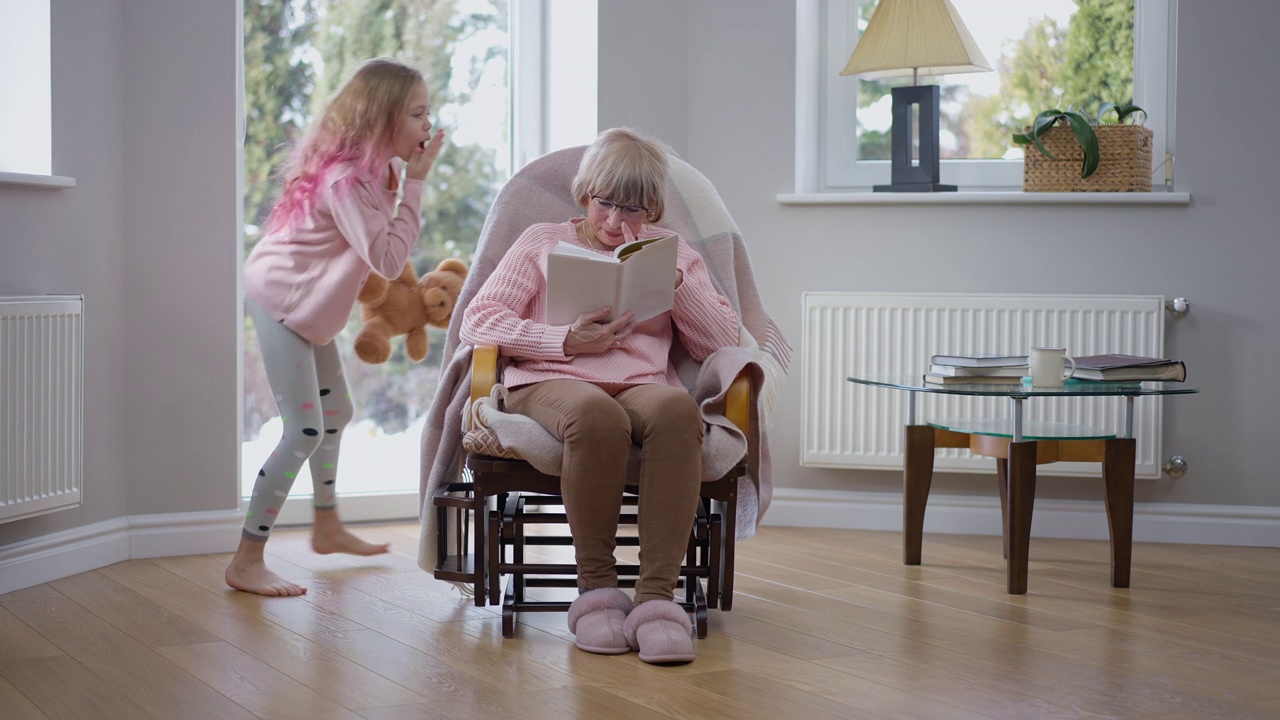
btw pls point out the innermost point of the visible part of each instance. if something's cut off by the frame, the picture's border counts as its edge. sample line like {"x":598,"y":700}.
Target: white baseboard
{"x":1073,"y":519}
{"x":63,"y":554}
{"x":354,"y":508}
{"x":78,"y":550}
{"x":82,"y":549}
{"x":197,"y":533}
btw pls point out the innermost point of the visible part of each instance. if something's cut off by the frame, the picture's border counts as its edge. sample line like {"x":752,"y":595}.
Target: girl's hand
{"x":590,"y":334}
{"x":424,"y":158}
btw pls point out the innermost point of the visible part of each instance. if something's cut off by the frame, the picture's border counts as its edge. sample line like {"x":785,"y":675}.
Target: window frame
{"x":826,"y":149}
{"x":554,"y":84}
{"x":28,"y":135}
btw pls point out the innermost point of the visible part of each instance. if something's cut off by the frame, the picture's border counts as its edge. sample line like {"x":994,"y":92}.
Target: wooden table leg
{"x":1117,"y":471}
{"x":1022,"y":495}
{"x":917,"y":476}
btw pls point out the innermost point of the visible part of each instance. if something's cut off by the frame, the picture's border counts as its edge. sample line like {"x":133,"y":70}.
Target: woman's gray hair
{"x":626,"y":167}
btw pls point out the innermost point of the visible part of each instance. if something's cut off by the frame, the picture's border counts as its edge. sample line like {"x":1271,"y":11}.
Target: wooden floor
{"x":826,"y":624}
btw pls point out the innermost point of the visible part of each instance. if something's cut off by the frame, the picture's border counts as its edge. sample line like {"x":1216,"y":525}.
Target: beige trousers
{"x":597,"y":430}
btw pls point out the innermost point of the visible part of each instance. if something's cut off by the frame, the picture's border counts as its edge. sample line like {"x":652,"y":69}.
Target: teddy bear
{"x":405,"y":306}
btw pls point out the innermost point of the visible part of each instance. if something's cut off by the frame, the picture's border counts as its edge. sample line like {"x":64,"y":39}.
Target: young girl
{"x":336,"y":221}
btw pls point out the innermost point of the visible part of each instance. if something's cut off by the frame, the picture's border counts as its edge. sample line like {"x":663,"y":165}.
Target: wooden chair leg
{"x":691,"y":559}
{"x":494,"y":557}
{"x":917,"y":476}
{"x":713,"y":561}
{"x":1022,"y":495}
{"x":479,"y":548}
{"x":730,"y":523}
{"x":1117,"y":471}
{"x":509,"y":610}
{"x":1002,"y":481}
{"x":699,"y":610}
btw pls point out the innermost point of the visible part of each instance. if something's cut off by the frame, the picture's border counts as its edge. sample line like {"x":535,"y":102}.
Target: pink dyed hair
{"x":356,"y":126}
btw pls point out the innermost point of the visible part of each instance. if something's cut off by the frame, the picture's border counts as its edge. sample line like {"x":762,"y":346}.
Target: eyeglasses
{"x":629,"y":212}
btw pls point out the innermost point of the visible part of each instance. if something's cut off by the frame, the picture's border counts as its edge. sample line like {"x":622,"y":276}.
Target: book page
{"x":579,"y":284}
{"x":649,"y":278}
{"x":568,"y":248}
{"x":623,"y":251}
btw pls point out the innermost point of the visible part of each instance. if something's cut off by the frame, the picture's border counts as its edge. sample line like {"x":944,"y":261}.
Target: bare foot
{"x":253,"y":576}
{"x":340,"y":541}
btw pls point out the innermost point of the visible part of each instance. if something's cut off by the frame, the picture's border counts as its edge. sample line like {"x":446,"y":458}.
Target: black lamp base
{"x":914,"y":187}
{"x":915,"y":117}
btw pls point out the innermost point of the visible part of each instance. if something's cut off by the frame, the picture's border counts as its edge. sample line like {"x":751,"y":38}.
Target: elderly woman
{"x":600,"y":386}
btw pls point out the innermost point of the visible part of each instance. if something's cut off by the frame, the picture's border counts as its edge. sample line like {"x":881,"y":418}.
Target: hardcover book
{"x":956,"y":371}
{"x":980,"y":361}
{"x":1129,"y":368}
{"x":640,"y":276}
{"x":932,"y":379}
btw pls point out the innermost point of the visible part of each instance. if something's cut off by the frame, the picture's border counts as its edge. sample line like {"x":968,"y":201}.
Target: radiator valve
{"x":1175,"y":467}
{"x":1177,"y":307}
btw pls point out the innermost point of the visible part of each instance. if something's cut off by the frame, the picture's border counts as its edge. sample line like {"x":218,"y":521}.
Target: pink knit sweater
{"x":307,"y":276}
{"x":510,"y":308}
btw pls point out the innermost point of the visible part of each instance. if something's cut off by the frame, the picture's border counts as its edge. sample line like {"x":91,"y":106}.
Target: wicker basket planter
{"x":1124,"y":166}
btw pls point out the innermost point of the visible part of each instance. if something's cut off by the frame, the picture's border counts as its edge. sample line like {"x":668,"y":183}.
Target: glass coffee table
{"x":1018,"y":446}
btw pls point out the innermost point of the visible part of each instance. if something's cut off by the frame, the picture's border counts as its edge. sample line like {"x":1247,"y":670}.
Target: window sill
{"x":54,"y":182}
{"x":986,"y":198}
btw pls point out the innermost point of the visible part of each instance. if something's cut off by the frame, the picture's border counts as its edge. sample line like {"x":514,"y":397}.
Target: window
{"x":497,"y":116}
{"x":554,"y":46}
{"x":26,"y":116}
{"x":843,"y":122}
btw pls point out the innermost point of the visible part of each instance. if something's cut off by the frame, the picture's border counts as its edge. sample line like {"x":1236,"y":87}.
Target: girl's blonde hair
{"x":626,"y":167}
{"x":356,"y":126}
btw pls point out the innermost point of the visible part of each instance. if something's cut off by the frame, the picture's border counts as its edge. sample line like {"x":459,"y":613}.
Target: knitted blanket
{"x":540,"y":193}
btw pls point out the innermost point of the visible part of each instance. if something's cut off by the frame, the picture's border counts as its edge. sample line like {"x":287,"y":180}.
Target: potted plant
{"x":1083,"y":153}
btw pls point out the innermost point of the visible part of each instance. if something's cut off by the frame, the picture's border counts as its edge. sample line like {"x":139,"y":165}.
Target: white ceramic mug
{"x":1049,"y":367}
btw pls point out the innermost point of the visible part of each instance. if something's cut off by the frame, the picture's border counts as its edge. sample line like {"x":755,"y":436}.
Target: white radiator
{"x":856,"y":426}
{"x":41,"y":404}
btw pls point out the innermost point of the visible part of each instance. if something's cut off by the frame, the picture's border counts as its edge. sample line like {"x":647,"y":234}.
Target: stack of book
{"x":976,"y":369}
{"x":1128,"y":368}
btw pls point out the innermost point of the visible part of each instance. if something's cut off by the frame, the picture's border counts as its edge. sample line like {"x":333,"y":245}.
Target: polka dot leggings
{"x":315,"y":405}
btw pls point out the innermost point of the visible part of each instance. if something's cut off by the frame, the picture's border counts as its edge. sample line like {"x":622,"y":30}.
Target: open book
{"x":640,"y":276}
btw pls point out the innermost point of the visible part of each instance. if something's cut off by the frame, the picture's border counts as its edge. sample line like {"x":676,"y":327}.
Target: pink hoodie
{"x":307,"y":276}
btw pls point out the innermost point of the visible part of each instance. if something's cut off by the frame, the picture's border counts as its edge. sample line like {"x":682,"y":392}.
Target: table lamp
{"x":915,"y":37}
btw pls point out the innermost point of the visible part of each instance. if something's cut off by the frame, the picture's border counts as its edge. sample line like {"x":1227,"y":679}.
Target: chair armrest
{"x":484,"y":370}
{"x":737,"y":402}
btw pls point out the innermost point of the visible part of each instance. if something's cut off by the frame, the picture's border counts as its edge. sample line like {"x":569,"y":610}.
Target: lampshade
{"x":909,"y":36}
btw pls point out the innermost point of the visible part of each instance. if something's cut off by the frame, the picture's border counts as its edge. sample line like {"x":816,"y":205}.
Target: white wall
{"x":181,"y":268}
{"x":737,"y":85}
{"x":72,"y":241}
{"x":144,"y":120}
{"x":643,"y":73}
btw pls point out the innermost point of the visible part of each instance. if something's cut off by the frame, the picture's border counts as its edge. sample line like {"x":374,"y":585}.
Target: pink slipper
{"x":661,"y":631}
{"x":596,"y":619}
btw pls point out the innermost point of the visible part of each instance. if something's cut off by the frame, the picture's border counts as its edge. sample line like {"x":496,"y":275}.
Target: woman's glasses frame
{"x":629,"y":212}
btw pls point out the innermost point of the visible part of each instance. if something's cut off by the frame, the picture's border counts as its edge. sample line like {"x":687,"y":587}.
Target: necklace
{"x":586,"y":235}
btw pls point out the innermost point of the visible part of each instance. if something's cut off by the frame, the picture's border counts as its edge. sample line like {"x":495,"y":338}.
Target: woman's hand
{"x":423,"y":159}
{"x":591,"y":334}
